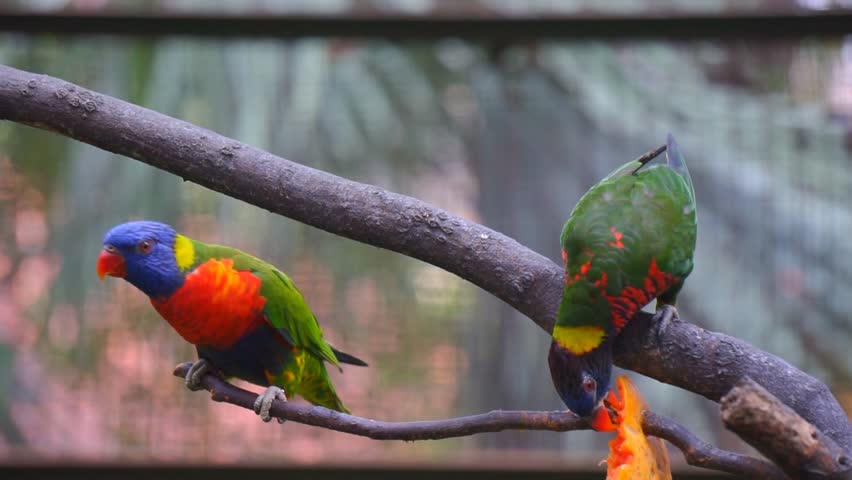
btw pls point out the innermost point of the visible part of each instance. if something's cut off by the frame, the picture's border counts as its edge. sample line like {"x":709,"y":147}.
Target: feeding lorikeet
{"x":245,"y":317}
{"x":629,"y":240}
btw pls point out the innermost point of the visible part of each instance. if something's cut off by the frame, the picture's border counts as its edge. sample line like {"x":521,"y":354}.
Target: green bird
{"x":629,"y":240}
{"x":245,"y":317}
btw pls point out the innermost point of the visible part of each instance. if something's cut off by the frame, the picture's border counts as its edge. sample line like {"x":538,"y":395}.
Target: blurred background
{"x":506,"y":133}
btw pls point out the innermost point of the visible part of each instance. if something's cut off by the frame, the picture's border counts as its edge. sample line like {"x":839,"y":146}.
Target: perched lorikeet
{"x":245,"y":317}
{"x":628,"y":241}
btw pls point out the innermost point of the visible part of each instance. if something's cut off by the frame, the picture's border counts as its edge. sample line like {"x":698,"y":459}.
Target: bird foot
{"x":195,"y":373}
{"x":663,"y":318}
{"x":264,"y":402}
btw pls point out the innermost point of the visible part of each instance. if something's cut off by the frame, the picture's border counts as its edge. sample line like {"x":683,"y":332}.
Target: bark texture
{"x":782,"y":435}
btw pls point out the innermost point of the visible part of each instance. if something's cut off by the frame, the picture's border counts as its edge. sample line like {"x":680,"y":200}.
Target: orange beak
{"x":111,"y":264}
{"x":602,"y":421}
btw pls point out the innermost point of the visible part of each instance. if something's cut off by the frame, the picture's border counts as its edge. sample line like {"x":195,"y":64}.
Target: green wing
{"x":285,"y":309}
{"x":618,"y":227}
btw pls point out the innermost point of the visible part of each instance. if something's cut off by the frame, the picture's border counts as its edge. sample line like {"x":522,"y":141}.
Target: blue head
{"x":143,"y":253}
{"x":582,"y":381}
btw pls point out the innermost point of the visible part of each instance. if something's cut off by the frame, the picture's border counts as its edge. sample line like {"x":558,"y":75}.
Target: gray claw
{"x":264,"y":402}
{"x":195,"y":373}
{"x":663,"y":318}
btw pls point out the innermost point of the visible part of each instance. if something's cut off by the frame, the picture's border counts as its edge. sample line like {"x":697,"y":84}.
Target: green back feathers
{"x":636,"y":215}
{"x":285,"y":308}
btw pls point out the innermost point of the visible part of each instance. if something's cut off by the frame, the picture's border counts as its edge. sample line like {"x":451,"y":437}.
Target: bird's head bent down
{"x":143,"y":253}
{"x":582,"y":382}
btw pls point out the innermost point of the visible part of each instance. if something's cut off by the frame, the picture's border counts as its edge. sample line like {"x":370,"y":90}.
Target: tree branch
{"x":782,"y":435}
{"x":696,"y":452}
{"x":699,"y":453}
{"x":692,"y":358}
{"x":711,"y":363}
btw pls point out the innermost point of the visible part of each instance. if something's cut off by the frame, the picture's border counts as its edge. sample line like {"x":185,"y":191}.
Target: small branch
{"x":495,"y":421}
{"x":696,"y":452}
{"x":782,"y":435}
{"x":699,"y":453}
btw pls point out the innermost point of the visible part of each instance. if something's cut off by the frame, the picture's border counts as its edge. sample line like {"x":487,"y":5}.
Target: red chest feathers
{"x":216,"y":305}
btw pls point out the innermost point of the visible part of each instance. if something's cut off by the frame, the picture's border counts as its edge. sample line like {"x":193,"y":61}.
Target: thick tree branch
{"x":692,"y":358}
{"x":711,"y":363}
{"x":696,"y":452}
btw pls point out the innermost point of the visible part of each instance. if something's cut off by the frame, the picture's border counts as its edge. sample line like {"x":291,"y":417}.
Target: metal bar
{"x":418,"y":27}
{"x":297,"y":472}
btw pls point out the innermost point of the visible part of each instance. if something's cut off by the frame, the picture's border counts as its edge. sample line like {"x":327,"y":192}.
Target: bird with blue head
{"x":245,"y":317}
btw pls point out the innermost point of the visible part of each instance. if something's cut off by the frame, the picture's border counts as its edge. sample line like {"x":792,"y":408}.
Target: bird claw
{"x":663,"y":318}
{"x":263,"y":403}
{"x":195,"y":373}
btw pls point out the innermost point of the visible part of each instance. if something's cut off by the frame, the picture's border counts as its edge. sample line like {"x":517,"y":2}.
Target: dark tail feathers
{"x":349,"y":359}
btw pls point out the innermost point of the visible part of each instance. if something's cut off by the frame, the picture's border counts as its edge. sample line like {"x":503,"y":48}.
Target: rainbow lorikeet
{"x":245,"y":317}
{"x":628,"y":241}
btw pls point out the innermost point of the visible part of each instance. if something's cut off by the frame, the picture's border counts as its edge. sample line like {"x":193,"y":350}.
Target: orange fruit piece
{"x":632,"y":454}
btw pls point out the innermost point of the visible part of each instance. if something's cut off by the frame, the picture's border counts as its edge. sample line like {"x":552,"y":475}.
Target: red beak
{"x":111,"y":264}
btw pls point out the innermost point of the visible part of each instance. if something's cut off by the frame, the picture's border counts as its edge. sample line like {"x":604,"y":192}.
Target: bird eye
{"x":110,"y":248}
{"x":589,"y":385}
{"x":144,"y":247}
